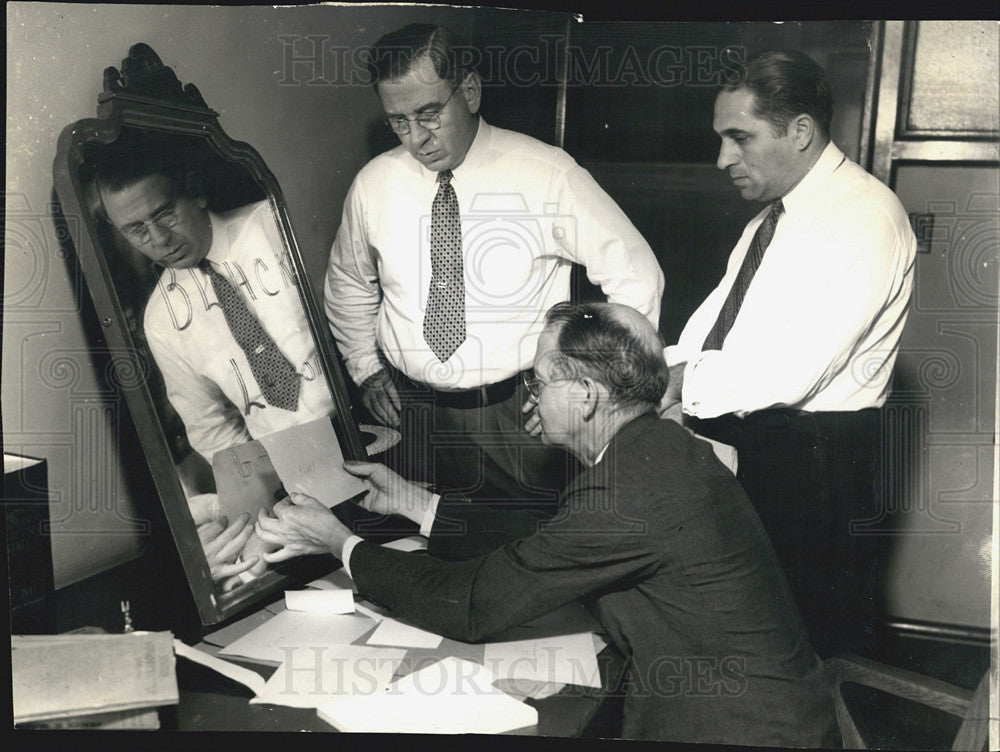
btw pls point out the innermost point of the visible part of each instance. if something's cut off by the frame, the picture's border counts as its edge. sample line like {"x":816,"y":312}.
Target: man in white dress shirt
{"x":153,"y":199}
{"x":789,"y":363}
{"x":527,"y":212}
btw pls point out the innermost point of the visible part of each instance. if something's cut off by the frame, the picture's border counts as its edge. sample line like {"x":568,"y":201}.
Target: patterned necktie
{"x":277,"y":378}
{"x":731,"y":308}
{"x":444,"y":320}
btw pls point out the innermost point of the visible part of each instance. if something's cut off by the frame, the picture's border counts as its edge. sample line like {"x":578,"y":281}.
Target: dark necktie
{"x":731,"y":308}
{"x":444,"y":320}
{"x":277,"y":378}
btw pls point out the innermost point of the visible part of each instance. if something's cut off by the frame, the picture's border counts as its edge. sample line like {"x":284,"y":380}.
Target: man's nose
{"x":728,"y":156}
{"x":418,"y":134}
{"x":157,"y":235}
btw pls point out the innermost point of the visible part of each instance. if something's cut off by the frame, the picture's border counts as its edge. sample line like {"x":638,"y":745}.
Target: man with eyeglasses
{"x":153,"y":198}
{"x":450,"y":249}
{"x":655,"y":535}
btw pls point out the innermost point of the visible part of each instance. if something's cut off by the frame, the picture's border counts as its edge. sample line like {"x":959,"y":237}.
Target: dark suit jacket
{"x":662,"y":541}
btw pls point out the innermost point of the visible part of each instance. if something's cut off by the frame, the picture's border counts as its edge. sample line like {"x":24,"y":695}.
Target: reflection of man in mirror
{"x":225,"y":323}
{"x":451,"y":248}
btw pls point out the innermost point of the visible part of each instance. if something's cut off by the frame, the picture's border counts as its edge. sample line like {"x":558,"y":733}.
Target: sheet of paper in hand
{"x":308,"y":459}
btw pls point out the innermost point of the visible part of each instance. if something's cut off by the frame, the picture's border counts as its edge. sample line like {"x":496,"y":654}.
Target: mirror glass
{"x":232,"y":367}
{"x":235,"y":389}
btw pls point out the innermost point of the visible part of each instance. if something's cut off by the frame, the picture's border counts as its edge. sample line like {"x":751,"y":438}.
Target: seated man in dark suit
{"x":655,"y":534}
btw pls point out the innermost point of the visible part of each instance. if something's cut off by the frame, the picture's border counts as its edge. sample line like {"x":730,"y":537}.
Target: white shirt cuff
{"x":429,"y":515}
{"x":345,"y":556}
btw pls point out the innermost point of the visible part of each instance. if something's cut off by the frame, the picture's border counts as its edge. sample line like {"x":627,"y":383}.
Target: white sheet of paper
{"x":599,"y":643}
{"x":371,"y":610}
{"x":294,"y":633}
{"x":392,"y":632}
{"x":521,"y":689}
{"x":338,"y":671}
{"x":246,"y":677}
{"x":308,"y":459}
{"x":451,"y":696}
{"x":569,"y":659}
{"x":336,"y":580}
{"x":320,"y":601}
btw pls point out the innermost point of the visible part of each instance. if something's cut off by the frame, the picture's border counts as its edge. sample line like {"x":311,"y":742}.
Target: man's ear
{"x":472,"y":90}
{"x":588,"y":397}
{"x":202,"y":202}
{"x":802,"y":130}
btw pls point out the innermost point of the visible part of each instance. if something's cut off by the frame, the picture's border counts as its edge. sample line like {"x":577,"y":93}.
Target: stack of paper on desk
{"x":450,"y":696}
{"x":92,"y":680}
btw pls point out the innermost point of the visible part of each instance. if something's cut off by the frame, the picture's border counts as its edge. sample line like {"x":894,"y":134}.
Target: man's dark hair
{"x":787,"y":83}
{"x":395,"y":54}
{"x":593,"y":341}
{"x":123,"y":163}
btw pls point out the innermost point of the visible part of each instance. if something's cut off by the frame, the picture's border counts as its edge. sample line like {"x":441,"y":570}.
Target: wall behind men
{"x":276,"y":76}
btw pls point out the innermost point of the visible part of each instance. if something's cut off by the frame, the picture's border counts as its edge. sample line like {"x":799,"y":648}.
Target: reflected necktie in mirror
{"x":277,"y":378}
{"x":731,"y":308}
{"x":444,"y":320}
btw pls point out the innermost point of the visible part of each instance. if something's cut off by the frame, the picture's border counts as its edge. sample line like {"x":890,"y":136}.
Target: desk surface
{"x":211,"y":702}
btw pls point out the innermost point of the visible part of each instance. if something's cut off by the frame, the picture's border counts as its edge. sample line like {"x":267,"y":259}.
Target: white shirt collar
{"x":600,"y":455}
{"x":812,"y":182}
{"x":219,"y":251}
{"x":475,"y":154}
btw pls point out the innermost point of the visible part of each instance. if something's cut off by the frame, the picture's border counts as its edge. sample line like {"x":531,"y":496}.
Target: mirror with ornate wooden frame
{"x":196,"y":405}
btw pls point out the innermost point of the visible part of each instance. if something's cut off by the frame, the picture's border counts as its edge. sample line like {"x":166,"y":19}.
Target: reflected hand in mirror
{"x":223,"y":543}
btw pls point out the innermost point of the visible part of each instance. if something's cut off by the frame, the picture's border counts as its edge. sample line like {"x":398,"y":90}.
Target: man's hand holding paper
{"x":390,"y":493}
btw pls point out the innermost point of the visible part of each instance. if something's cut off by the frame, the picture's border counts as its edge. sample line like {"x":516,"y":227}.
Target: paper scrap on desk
{"x":295,"y":633}
{"x":522,"y":689}
{"x":599,"y":643}
{"x":277,"y":607}
{"x":569,"y":659}
{"x":336,"y":580}
{"x":451,"y":696}
{"x":320,"y":601}
{"x":308,"y":459}
{"x":249,"y":679}
{"x":370,"y":610}
{"x":340,"y":670}
{"x":232,"y":632}
{"x":412,"y":543}
{"x":398,"y":634}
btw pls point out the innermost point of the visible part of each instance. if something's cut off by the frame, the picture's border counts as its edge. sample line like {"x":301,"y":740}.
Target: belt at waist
{"x":467,"y":399}
{"x":723,"y":427}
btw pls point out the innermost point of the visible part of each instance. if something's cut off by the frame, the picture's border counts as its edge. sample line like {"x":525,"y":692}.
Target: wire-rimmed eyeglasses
{"x":166,"y":219}
{"x":430,"y":120}
{"x":535,"y":385}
